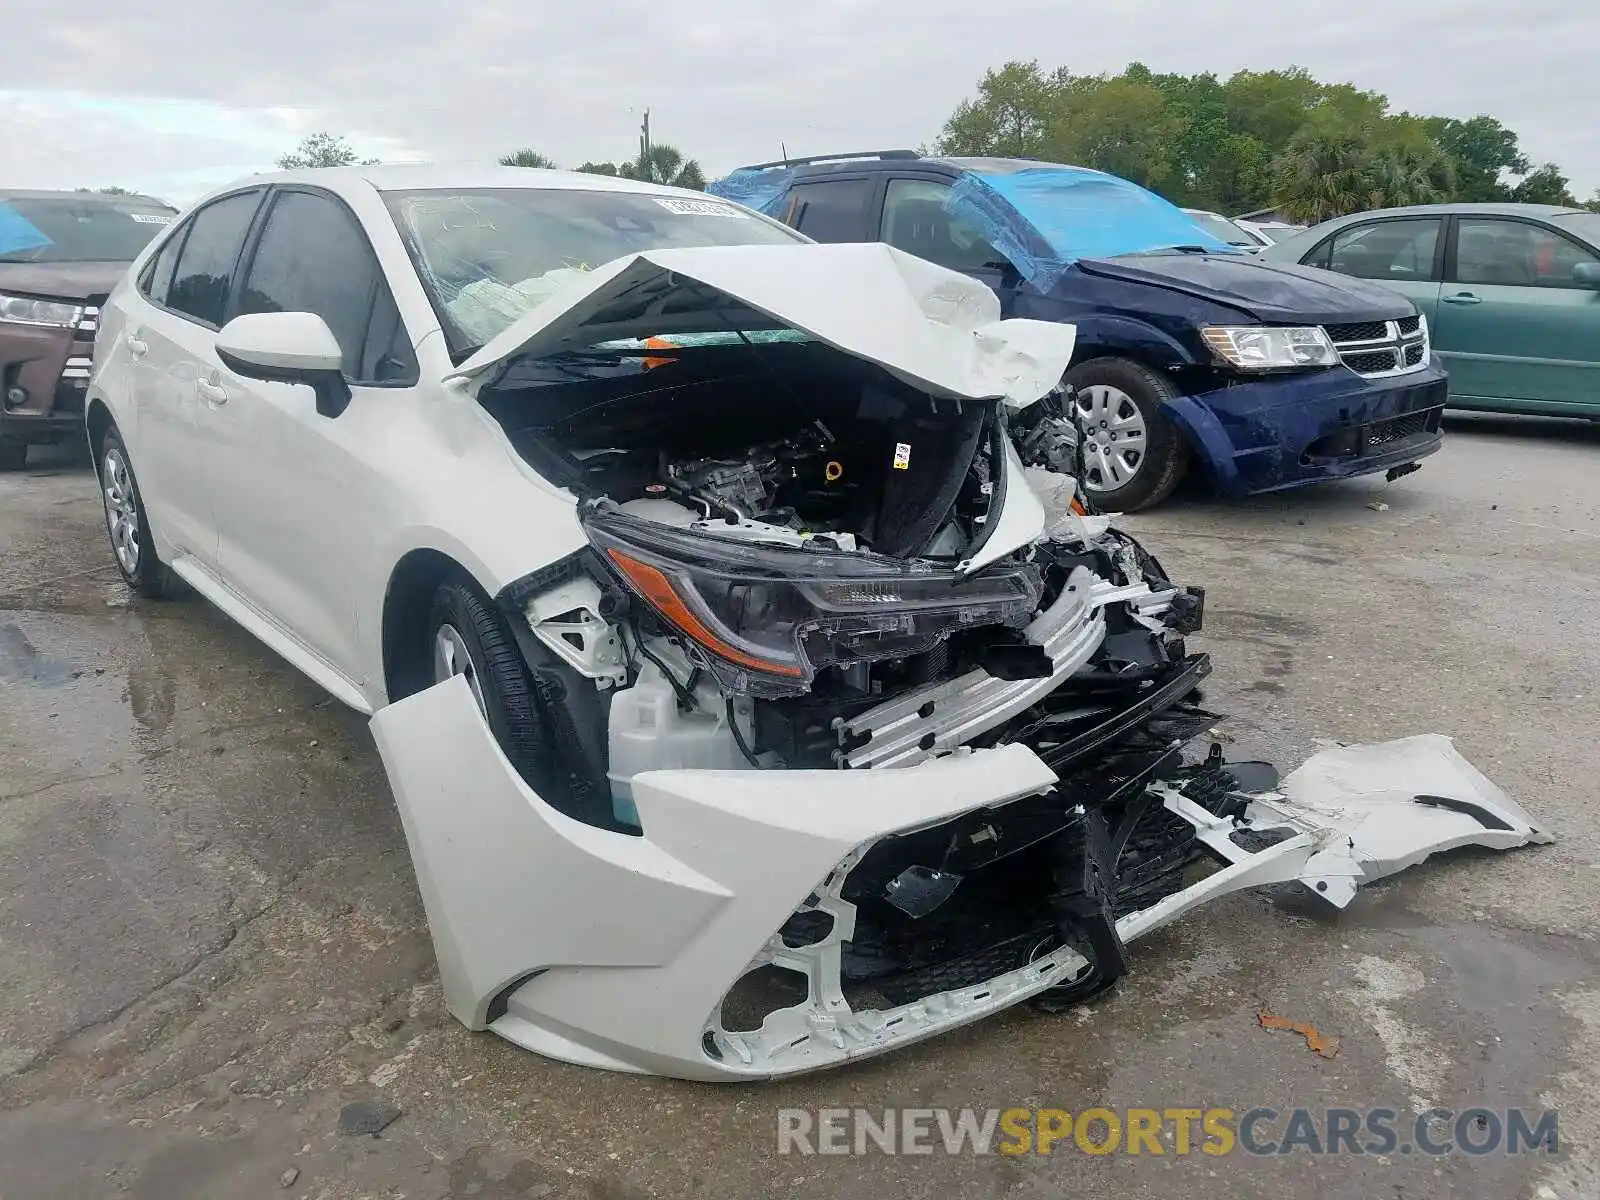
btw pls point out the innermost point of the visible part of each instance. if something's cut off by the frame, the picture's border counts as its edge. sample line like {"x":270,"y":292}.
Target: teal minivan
{"x":1511,"y":293}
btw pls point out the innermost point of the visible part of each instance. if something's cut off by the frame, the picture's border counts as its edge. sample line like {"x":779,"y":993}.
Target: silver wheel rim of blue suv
{"x":1116,"y":440}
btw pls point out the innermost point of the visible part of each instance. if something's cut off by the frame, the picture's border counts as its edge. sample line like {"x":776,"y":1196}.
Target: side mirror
{"x":287,"y":347}
{"x":1587,"y":274}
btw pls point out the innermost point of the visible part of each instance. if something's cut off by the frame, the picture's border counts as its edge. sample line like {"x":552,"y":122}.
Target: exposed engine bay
{"x":851,"y":740}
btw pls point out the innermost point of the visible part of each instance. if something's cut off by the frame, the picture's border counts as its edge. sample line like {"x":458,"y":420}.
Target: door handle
{"x":211,"y":393}
{"x":135,"y":347}
{"x":1463,"y":298}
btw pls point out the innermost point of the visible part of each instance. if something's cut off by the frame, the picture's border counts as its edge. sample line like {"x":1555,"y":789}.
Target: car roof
{"x":1468,"y":209}
{"x":106,"y":198}
{"x":892,"y":160}
{"x":348,"y":181}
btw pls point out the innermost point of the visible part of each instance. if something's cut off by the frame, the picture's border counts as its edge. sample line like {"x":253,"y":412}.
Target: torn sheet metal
{"x":619,"y":951}
{"x":935,"y":329}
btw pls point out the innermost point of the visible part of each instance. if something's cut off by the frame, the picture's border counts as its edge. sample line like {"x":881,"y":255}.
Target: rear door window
{"x":210,"y":254}
{"x":314,"y":257}
{"x":831,"y":210}
{"x":157,"y":279}
{"x":1516,"y":254}
{"x":1395,"y":250}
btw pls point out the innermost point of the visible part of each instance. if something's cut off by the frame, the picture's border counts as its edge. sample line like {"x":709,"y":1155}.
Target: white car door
{"x":167,"y":334}
{"x":297,"y":504}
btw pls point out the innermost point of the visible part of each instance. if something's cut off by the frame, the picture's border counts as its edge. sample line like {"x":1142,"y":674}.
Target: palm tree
{"x":526,"y":158}
{"x":1411,"y":174}
{"x":665,"y":164}
{"x":1323,"y":174}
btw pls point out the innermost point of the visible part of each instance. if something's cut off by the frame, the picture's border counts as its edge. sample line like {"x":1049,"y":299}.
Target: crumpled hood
{"x":933,"y":328}
{"x":1276,"y":293}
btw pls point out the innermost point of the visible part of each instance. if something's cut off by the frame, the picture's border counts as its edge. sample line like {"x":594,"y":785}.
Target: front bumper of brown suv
{"x":44,"y":376}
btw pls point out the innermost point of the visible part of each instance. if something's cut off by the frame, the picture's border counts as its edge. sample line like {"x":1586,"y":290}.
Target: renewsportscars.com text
{"x":1176,"y":1132}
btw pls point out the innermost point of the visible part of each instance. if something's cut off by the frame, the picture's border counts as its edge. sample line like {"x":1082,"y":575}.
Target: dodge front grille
{"x":1379,"y":349}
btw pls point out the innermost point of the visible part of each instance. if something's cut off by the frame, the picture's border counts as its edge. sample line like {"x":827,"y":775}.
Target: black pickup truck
{"x":1273,"y":376}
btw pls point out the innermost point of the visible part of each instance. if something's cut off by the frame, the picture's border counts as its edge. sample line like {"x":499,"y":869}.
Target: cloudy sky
{"x":166,"y":96}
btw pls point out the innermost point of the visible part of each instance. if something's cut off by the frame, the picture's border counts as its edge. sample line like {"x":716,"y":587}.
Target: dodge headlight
{"x":767,"y":618}
{"x":1271,"y":348}
{"x":21,"y":310}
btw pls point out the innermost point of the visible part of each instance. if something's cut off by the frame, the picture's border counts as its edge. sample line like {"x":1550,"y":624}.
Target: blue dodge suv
{"x":1271,"y":375}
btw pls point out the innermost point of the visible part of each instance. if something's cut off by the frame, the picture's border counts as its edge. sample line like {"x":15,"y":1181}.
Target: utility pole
{"x":644,"y":142}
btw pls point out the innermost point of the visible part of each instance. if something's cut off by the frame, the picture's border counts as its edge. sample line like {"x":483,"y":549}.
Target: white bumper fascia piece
{"x":616,"y":951}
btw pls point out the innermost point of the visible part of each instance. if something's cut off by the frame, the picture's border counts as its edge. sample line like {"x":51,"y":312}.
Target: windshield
{"x":1076,"y":212}
{"x":1223,"y":229}
{"x":489,"y":255}
{"x":66,"y":229}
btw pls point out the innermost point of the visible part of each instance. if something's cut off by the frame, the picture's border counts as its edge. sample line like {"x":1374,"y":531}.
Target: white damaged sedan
{"x":747,"y":709}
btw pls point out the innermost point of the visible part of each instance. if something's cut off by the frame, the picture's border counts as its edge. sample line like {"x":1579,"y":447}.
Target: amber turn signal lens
{"x":658,"y":590}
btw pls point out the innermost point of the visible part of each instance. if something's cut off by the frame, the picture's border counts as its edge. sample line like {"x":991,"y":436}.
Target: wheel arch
{"x":407,"y":601}
{"x":97,"y":420}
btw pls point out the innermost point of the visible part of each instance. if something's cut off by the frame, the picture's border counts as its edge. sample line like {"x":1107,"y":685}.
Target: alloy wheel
{"x":122,"y":510}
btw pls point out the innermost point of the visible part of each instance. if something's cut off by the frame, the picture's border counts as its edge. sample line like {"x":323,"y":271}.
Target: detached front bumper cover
{"x":620,"y":951}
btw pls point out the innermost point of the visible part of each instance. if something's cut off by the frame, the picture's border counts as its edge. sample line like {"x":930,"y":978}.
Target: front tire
{"x":467,"y":636}
{"x":1134,"y":455}
{"x":127,"y":523}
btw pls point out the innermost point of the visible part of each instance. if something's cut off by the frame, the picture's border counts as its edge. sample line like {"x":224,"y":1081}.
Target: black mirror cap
{"x":1587,"y":274}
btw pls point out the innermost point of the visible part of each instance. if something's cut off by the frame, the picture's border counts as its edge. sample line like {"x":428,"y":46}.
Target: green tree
{"x":1324,"y":173}
{"x":599,"y":168}
{"x":1010,"y":117}
{"x":114,"y":190}
{"x":1483,"y":152}
{"x":1238,"y":144}
{"x":1593,"y":203}
{"x":1121,"y":125}
{"x":1547,"y":185}
{"x":526,"y":158}
{"x":664,"y":164}
{"x":1330,"y":169}
{"x":1271,"y":106}
{"x":323,"y":150}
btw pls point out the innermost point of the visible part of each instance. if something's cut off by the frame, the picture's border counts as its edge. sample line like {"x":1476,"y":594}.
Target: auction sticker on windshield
{"x":697,"y":208}
{"x":151,"y":218}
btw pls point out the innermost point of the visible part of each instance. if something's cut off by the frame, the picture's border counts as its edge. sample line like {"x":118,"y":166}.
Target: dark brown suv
{"x":60,"y":253}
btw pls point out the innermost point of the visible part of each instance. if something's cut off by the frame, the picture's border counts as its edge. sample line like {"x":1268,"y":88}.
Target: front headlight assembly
{"x":767,"y":618}
{"x":23,"y":310}
{"x":1271,"y":348}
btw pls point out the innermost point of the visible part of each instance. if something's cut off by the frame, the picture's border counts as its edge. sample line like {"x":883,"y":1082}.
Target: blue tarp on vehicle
{"x":17,"y":233}
{"x":760,"y":188}
{"x":1077,"y":213}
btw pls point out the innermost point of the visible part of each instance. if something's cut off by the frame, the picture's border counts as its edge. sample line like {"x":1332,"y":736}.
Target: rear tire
{"x":13,"y":456}
{"x":1117,"y":482}
{"x":127,"y":523}
{"x":468,"y":636}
